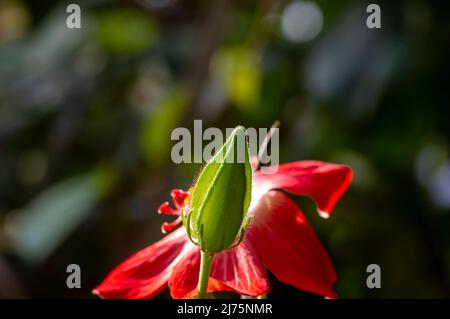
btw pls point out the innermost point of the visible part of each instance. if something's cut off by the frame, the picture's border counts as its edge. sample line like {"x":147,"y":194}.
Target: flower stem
{"x":205,"y":269}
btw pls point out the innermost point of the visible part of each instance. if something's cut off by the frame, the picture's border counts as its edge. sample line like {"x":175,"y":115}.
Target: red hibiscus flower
{"x":278,"y":237}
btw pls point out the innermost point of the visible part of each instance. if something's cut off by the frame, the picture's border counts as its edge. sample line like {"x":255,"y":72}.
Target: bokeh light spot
{"x":301,"y":21}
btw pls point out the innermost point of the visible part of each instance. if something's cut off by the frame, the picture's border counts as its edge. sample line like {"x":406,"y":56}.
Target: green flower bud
{"x":221,"y":197}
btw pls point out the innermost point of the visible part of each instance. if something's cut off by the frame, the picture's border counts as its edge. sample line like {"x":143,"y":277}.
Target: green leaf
{"x":238,"y":69}
{"x":125,"y":31}
{"x":53,"y":214}
{"x":157,"y":128}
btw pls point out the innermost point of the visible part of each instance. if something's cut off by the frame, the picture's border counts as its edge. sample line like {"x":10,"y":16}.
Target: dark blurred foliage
{"x":86,"y":117}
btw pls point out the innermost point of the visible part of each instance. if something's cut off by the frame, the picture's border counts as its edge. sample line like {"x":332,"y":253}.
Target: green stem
{"x":205,"y":269}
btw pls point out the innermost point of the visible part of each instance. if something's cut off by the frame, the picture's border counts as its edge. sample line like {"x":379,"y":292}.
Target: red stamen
{"x":166,"y":227}
{"x":178,"y":197}
{"x":166,"y":209}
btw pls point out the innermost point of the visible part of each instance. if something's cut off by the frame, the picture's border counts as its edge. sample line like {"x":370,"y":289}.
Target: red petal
{"x":288,"y":245}
{"x":146,"y":273}
{"x":324,"y":182}
{"x":184,"y":280}
{"x":239,"y":270}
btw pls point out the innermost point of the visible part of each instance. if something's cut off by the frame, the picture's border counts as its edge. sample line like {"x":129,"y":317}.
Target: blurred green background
{"x":86,"y":116}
